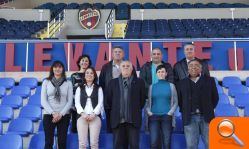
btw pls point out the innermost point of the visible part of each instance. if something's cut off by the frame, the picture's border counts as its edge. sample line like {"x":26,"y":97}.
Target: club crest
{"x":89,"y":18}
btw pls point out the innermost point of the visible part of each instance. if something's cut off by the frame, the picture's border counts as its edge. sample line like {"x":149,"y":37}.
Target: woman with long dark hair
{"x":56,"y":99}
{"x":77,"y":79}
{"x":89,"y":105}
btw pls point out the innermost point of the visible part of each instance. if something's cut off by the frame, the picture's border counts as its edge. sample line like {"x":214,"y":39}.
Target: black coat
{"x":208,"y":100}
{"x":137,"y":101}
{"x":181,"y":69}
{"x":145,"y":74}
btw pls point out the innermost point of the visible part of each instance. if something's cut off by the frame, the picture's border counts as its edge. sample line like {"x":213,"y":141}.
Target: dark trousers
{"x":163,"y":124}
{"x":108,"y":121}
{"x":49,"y":129}
{"x":74,"y":121}
{"x":126,"y":136}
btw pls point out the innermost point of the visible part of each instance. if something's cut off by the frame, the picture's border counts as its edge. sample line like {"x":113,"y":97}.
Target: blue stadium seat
{"x":35,"y":100}
{"x":219,"y":89}
{"x":13,"y":101}
{"x":223,"y":99}
{"x":11,"y":141}
{"x":21,"y":126}
{"x":98,"y":5}
{"x":8,"y":83}
{"x":23,"y":91}
{"x":72,"y":141}
{"x":226,"y":110}
{"x":1,"y":128}
{"x":237,"y":89}
{"x":247,"y":81}
{"x":161,"y":5}
{"x":2,"y":91}
{"x":31,"y":112}
{"x":149,"y":6}
{"x":6,"y":113}
{"x":241,"y":100}
{"x":30,"y":82}
{"x":38,"y":90}
{"x":144,"y":141}
{"x":106,"y":140}
{"x":246,"y":111}
{"x":174,"y":6}
{"x":179,"y":125}
{"x":136,"y":6}
{"x":178,"y":141}
{"x":231,"y":80}
{"x":110,"y":6}
{"x":37,"y":141}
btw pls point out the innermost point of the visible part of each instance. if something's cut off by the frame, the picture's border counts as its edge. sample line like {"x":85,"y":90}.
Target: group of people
{"x":122,"y":95}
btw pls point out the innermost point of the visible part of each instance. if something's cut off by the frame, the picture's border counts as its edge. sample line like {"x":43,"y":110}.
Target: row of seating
{"x":160,"y":5}
{"x":17,"y":29}
{"x":187,"y":28}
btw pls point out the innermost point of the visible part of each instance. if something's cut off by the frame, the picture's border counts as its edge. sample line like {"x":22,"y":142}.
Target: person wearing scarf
{"x":56,"y":99}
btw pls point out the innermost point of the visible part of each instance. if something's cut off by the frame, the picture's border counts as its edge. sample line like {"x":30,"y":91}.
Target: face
{"x":58,"y":70}
{"x":84,"y":63}
{"x":126,"y":69}
{"x":117,"y":54}
{"x":161,"y":73}
{"x":89,"y":75}
{"x":156,"y":56}
{"x":194,"y":68}
{"x":189,"y":51}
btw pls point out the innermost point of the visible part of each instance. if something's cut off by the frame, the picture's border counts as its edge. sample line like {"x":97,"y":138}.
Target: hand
{"x":90,"y":117}
{"x":85,"y":116}
{"x":56,"y":117}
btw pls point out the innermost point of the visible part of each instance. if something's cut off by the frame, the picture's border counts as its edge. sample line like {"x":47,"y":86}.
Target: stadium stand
{"x":187,"y":28}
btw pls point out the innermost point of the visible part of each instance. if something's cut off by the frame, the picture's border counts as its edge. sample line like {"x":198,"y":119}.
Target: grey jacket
{"x":49,"y":102}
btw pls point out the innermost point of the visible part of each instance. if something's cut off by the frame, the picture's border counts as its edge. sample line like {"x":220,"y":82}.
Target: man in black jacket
{"x":125,"y":99}
{"x":197,"y":99}
{"x":181,"y":68}
{"x":110,"y":71}
{"x":148,"y":70}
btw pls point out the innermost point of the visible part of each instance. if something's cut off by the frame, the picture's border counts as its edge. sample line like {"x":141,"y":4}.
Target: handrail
{"x":52,"y":27}
{"x":109,"y":24}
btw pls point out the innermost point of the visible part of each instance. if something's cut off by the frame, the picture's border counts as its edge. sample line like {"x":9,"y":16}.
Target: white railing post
{"x":48,"y":30}
{"x":54,"y":27}
{"x":59,"y":22}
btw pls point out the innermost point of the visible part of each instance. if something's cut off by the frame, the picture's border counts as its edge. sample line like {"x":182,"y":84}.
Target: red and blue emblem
{"x":89,"y":18}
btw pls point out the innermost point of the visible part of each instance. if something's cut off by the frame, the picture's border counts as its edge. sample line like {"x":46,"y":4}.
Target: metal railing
{"x":109,"y":24}
{"x":55,"y":25}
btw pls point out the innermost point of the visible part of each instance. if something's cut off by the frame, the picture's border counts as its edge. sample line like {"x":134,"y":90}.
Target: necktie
{"x":125,"y":83}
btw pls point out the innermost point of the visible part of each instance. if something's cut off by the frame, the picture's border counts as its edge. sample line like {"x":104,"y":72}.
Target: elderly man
{"x":197,"y":99}
{"x":125,"y":99}
{"x":110,"y":71}
{"x":148,"y":70}
{"x":181,"y":68}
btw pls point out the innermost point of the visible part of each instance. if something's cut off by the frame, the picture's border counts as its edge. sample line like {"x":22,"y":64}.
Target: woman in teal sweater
{"x":161,"y":105}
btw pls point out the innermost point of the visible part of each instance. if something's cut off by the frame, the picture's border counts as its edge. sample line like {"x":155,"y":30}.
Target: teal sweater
{"x":160,"y":97}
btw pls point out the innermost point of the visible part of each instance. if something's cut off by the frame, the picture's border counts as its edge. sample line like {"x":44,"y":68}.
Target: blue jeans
{"x":194,"y":129}
{"x":157,"y":124}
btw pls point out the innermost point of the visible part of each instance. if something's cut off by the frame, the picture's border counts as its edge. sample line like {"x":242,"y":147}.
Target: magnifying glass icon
{"x":226,"y":129}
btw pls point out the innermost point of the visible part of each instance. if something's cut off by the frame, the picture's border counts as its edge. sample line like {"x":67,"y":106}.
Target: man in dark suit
{"x":181,"y":68}
{"x":125,"y":99}
{"x":197,"y":99}
{"x":110,"y":71}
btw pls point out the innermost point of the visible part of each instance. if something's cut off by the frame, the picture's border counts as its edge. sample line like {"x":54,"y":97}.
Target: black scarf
{"x":57,"y":83}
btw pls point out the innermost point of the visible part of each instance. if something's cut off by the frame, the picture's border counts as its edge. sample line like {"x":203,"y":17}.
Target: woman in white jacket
{"x":89,"y":103}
